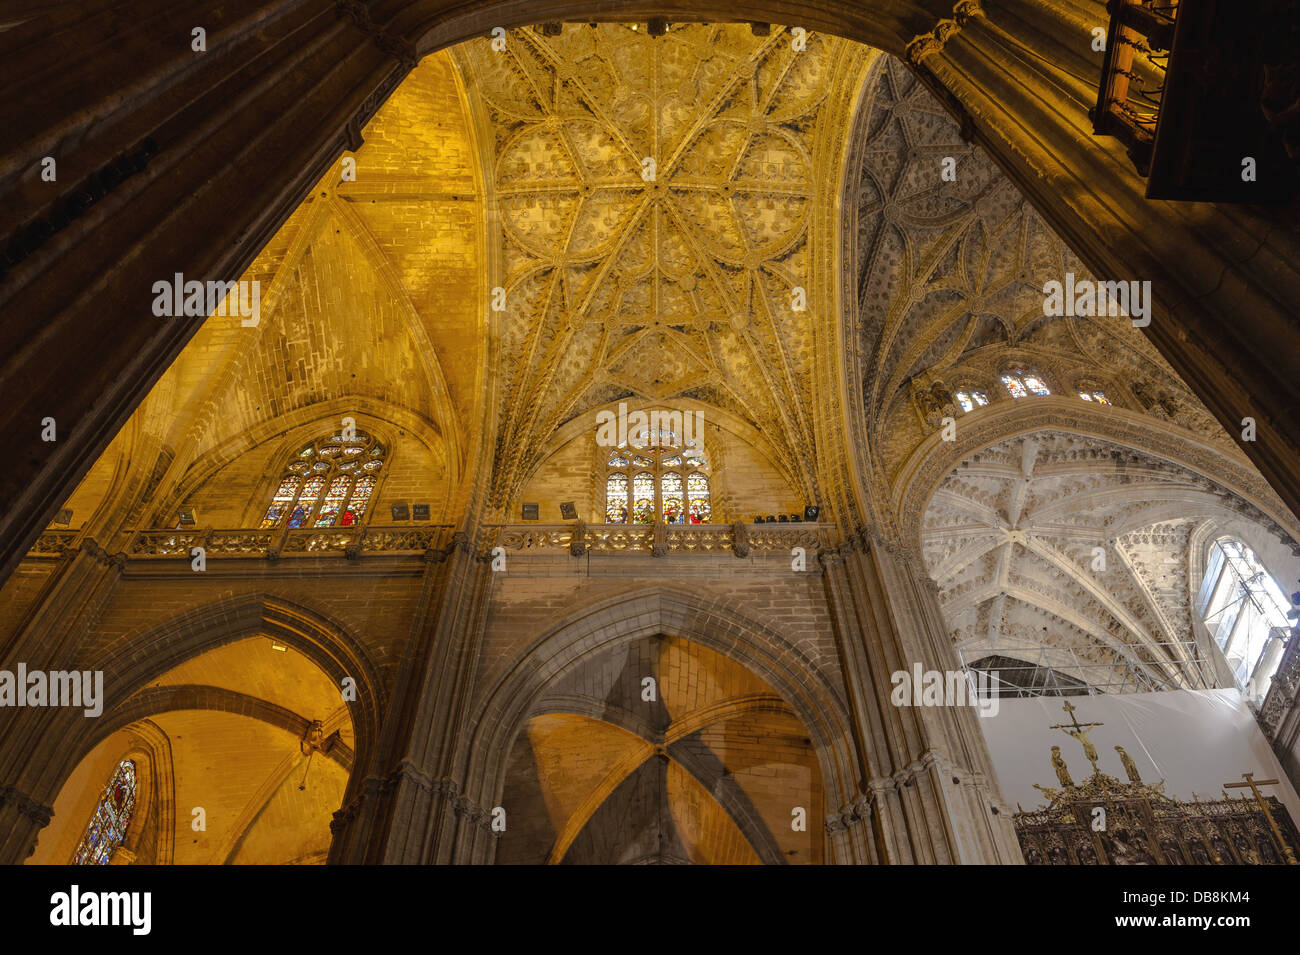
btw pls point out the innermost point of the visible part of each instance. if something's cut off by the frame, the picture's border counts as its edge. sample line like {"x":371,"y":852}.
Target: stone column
{"x":32,"y":759}
{"x":411,"y":809}
{"x":21,"y":820}
{"x":928,"y":792}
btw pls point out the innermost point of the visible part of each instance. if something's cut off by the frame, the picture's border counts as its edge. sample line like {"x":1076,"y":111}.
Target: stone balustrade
{"x":574,"y":538}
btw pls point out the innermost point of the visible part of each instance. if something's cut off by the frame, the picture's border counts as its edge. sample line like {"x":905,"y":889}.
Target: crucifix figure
{"x":1080,"y":732}
{"x":1254,"y":785}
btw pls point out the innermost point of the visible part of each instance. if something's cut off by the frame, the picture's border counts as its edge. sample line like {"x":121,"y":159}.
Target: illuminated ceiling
{"x":676,"y":285}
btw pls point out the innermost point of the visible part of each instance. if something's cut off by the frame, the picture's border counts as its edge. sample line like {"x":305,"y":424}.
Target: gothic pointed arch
{"x":641,"y":614}
{"x":327,"y":644}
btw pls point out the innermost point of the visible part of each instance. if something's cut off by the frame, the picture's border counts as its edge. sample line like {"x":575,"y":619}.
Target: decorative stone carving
{"x":659,"y":542}
{"x":739,"y":539}
{"x":1058,"y":541}
{"x":660,"y":286}
{"x":399,"y":49}
{"x":927,"y":44}
{"x":1284,"y":692}
{"x":27,"y":807}
{"x":944,"y":285}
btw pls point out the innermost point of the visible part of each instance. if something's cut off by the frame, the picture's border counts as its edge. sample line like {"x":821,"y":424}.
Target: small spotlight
{"x":810,"y":512}
{"x":657,"y":26}
{"x":758,"y":519}
{"x":279,"y":646}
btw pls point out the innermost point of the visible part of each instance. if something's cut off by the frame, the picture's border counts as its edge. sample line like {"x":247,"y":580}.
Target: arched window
{"x":971,"y":398}
{"x":328,"y":483}
{"x":1021,"y":383}
{"x":1245,"y":612}
{"x":1090,"y":392}
{"x":667,"y":482}
{"x":108,"y":825}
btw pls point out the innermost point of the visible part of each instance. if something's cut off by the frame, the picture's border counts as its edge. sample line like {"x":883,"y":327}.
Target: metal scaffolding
{"x":1078,"y":671}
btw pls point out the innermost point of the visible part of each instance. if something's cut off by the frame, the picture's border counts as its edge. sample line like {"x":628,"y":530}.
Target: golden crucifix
{"x":1080,"y":732}
{"x":1254,"y":785}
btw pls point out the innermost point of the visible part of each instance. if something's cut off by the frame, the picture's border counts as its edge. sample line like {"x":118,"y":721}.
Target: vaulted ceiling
{"x":782,"y":176}
{"x":662,"y":752}
{"x":1062,"y":542}
{"x":372,"y":296}
{"x":947,"y":276}
{"x":672,"y":282}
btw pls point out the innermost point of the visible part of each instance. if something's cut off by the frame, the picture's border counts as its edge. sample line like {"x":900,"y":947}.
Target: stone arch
{"x":1281,"y":563}
{"x":931,"y":462}
{"x":151,"y":701}
{"x":146,"y":657}
{"x":720,"y":428}
{"x":293,"y":428}
{"x":157,"y":789}
{"x":429,"y":25}
{"x":681,"y":748}
{"x":646,"y":613}
{"x":149,"y":748}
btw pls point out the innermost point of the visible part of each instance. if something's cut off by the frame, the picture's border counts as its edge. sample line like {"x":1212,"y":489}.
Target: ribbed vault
{"x":1064,"y":542}
{"x":659,"y":202}
{"x":661,"y":751}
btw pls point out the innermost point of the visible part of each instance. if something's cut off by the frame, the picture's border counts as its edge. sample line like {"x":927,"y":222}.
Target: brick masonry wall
{"x":792,"y":604}
{"x":742,"y":481}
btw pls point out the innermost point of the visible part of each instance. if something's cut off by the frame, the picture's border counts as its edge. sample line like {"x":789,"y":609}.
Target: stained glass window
{"x":643,"y":498}
{"x":667,"y":482}
{"x":107,"y":826}
{"x":357,"y":504}
{"x":659,"y":438}
{"x":697,"y":493}
{"x":670,"y":485}
{"x":329,"y":509}
{"x":338,"y":473}
{"x":1095,"y":394}
{"x":616,"y":498}
{"x":972,"y":398}
{"x":1022,"y":383}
